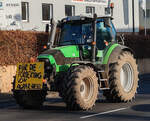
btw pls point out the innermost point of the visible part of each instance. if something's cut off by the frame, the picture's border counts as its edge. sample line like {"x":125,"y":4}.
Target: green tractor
{"x":83,"y":57}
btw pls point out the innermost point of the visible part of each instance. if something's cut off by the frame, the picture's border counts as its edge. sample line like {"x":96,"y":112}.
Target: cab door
{"x":103,"y":37}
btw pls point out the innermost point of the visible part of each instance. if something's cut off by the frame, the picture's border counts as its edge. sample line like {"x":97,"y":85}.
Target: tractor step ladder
{"x":103,"y":77}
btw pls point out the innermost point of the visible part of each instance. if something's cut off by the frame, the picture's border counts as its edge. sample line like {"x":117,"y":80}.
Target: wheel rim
{"x":86,"y":89}
{"x":126,"y":77}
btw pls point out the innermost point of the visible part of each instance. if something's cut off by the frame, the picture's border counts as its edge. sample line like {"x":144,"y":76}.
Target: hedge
{"x":20,"y":46}
{"x":140,"y":44}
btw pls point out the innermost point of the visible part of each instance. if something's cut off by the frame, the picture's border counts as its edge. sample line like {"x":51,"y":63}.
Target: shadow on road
{"x":143,"y":107}
{"x":128,"y":117}
{"x":144,"y":84}
{"x":54,"y":108}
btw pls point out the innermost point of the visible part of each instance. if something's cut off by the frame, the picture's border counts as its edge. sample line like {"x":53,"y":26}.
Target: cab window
{"x":103,"y":34}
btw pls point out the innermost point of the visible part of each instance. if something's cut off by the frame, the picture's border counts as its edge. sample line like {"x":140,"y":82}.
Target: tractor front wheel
{"x":80,"y":88}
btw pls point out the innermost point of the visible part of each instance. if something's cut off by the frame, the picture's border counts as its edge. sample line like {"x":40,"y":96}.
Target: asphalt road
{"x":54,"y":110}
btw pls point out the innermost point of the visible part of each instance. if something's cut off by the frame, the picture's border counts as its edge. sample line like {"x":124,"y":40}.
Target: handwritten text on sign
{"x":29,"y":76}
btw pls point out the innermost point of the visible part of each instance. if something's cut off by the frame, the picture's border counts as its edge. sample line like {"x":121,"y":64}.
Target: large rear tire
{"x":80,"y":88}
{"x":123,"y":79}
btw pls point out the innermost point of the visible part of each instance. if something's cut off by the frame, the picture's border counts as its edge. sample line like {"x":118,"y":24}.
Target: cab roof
{"x":83,"y":18}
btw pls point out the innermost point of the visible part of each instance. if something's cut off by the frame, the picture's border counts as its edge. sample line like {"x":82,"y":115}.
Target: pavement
{"x":54,"y":109}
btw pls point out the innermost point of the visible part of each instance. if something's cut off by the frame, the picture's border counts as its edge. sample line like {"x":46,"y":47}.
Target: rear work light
{"x":112,"y":5}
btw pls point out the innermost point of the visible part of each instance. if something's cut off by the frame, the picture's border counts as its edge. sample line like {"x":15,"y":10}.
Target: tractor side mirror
{"x":121,"y":39}
{"x":49,"y":25}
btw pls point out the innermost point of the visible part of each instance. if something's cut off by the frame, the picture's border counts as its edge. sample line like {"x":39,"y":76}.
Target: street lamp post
{"x":143,"y":6}
{"x":133,"y":16}
{"x":145,"y":20}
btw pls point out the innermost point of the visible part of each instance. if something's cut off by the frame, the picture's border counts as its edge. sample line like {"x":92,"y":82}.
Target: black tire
{"x":80,"y":88}
{"x":30,"y":99}
{"x":123,"y":79}
{"x":59,"y":80}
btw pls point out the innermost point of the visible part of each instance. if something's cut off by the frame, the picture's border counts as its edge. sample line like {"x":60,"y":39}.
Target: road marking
{"x":102,"y":113}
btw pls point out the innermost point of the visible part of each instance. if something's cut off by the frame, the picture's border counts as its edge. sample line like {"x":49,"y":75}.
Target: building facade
{"x":10,"y":15}
{"x":144,"y":16}
{"x":36,"y":14}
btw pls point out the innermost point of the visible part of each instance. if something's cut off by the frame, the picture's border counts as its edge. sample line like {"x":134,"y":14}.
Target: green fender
{"x":108,"y":52}
{"x":112,"y":53}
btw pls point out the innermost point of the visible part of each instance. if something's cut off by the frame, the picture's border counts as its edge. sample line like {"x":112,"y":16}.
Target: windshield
{"x":75,"y":34}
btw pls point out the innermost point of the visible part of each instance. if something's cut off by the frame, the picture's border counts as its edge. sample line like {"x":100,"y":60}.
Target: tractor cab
{"x":90,"y":34}
{"x":79,"y":30}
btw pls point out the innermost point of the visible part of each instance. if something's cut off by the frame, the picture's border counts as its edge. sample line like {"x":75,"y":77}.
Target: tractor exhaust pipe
{"x":52,"y":33}
{"x":94,"y":39}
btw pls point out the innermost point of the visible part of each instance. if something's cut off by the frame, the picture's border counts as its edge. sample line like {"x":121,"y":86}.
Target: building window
{"x":147,"y":13}
{"x":1,"y":4}
{"x":25,"y":11}
{"x":69,"y":10}
{"x":107,"y":11}
{"x":126,"y":11}
{"x":47,"y":12}
{"x":90,"y":10}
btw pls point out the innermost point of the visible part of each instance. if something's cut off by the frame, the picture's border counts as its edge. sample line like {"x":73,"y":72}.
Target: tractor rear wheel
{"x":30,"y":99}
{"x":123,"y":79}
{"x":80,"y":88}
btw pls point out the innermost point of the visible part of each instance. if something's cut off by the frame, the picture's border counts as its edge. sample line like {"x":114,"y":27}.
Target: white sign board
{"x":10,"y":14}
{"x":102,"y":2}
